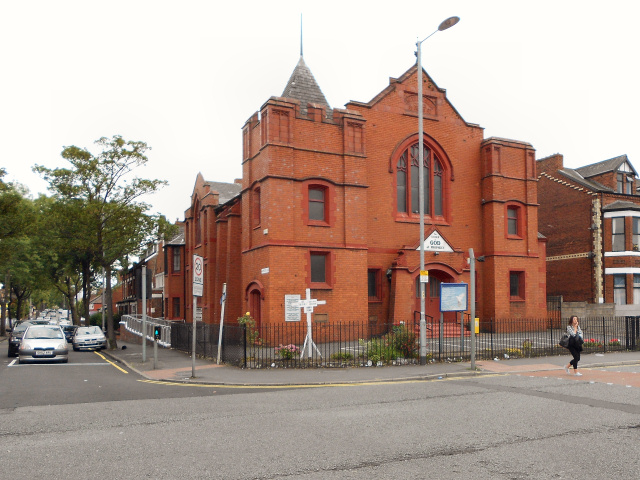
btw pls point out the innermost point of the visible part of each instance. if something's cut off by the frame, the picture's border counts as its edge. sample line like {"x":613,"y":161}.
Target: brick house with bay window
{"x":328,"y":201}
{"x":591,"y":216}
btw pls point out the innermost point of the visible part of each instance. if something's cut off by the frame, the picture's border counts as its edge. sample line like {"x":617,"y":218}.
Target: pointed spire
{"x":303,"y":86}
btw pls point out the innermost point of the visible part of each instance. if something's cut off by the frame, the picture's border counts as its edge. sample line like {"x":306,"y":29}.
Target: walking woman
{"x":575,"y":344}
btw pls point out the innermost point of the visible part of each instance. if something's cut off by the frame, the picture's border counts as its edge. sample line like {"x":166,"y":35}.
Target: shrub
{"x":614,"y":342}
{"x":287,"y":352}
{"x":592,"y":343}
{"x":341,"y":356}
{"x":513,"y":352}
{"x":401,"y":342}
{"x":251,"y":331}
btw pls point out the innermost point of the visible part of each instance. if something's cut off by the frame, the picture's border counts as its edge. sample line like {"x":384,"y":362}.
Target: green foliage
{"x":100,"y":197}
{"x":401,"y":342}
{"x":96,"y":319}
{"x":251,"y":331}
{"x":343,"y":356}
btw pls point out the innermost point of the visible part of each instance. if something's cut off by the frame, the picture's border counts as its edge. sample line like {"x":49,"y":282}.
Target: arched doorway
{"x":254,"y":303}
{"x":432,"y":296}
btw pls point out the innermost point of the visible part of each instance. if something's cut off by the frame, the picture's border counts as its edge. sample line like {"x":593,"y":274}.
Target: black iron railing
{"x":294,"y":345}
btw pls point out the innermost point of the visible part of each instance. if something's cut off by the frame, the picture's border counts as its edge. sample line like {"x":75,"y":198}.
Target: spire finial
{"x":301,"y":34}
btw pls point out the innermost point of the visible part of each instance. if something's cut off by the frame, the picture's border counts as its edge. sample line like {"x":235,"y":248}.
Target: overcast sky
{"x":184,"y":76}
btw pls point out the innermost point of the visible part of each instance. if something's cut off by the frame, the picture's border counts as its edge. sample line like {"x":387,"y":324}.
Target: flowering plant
{"x":287,"y":351}
{"x":592,"y":342}
{"x":614,"y":342}
{"x":251,"y":331}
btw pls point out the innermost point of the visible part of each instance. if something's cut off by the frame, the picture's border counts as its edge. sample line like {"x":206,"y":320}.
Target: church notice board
{"x":454,"y":297}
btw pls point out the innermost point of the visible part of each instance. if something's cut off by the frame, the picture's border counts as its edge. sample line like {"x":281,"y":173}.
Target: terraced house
{"x":328,"y":201}
{"x":591,"y":216}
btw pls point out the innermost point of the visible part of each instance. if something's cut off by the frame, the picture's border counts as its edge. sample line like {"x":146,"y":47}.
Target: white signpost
{"x":308,"y":304}
{"x":198,"y":288}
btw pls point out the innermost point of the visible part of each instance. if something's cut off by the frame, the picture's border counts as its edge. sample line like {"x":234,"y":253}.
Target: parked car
{"x":89,"y":338}
{"x":16,"y":337}
{"x":43,"y":343}
{"x":69,"y":331}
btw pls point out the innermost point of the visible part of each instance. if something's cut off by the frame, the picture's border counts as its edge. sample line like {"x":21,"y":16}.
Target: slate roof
{"x":574,"y":176}
{"x":178,"y":239}
{"x":605,"y":166}
{"x":621,"y":205}
{"x":303,"y":86}
{"x":226,"y":191}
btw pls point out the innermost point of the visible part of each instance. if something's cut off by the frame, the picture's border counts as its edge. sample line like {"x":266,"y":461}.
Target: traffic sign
{"x":198,"y":276}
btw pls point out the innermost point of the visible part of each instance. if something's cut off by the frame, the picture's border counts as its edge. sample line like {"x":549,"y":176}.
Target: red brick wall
{"x":363,"y":229}
{"x":565,"y":218}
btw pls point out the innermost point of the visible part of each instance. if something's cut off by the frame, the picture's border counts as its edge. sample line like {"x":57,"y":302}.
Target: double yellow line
{"x":110,"y":362}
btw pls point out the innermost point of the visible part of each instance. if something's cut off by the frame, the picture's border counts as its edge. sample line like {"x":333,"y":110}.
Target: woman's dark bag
{"x":564,"y":341}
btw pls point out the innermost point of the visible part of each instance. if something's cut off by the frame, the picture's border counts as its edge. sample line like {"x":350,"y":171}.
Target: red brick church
{"x":328,"y":201}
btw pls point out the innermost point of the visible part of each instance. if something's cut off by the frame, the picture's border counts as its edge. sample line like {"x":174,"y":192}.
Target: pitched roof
{"x":621,"y":205}
{"x":303,"y":86}
{"x":226,"y":191}
{"x":574,"y":176}
{"x":178,"y":239}
{"x":605,"y":166}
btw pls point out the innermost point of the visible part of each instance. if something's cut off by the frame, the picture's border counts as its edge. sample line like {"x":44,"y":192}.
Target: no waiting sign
{"x":198,"y":276}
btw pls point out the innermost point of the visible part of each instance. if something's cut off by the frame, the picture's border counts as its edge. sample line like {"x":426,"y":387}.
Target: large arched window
{"x":408,"y":181}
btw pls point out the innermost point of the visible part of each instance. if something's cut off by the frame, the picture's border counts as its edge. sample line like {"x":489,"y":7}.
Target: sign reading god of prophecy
{"x":435,"y":243}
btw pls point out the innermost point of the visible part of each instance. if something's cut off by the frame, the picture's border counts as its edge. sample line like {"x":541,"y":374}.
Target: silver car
{"x":89,"y":338}
{"x":43,"y":343}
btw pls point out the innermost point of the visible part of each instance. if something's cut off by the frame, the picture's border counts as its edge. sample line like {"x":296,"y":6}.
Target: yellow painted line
{"x":110,"y":362}
{"x":279,"y":387}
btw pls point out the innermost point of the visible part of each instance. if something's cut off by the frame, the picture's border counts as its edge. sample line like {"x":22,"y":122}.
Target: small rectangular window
{"x":617,"y":231}
{"x":176,"y":260}
{"x":512,"y":221}
{"x":619,"y":183}
{"x":256,"y":207}
{"x":620,"y":289}
{"x":373,"y":281}
{"x":317,"y":204}
{"x":318,"y":268}
{"x":636,"y":289}
{"x":516,"y":285}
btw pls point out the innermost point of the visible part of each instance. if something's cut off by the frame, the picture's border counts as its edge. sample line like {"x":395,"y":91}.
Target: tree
{"x":68,"y":247}
{"x":113,"y":218}
{"x":15,"y":218}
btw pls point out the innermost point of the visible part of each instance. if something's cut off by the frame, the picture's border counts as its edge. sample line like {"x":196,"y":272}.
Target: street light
{"x":448,"y":23}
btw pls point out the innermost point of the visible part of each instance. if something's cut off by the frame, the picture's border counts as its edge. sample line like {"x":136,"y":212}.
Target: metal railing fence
{"x":292,"y":345}
{"x":133,"y":323}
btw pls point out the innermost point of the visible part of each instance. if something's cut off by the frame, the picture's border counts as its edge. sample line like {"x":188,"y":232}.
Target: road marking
{"x":318,"y":385}
{"x":57,"y":364}
{"x":110,"y":362}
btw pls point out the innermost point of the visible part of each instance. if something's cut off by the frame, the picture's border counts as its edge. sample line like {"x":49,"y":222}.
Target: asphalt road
{"x":88,"y":377}
{"x":63,"y":421}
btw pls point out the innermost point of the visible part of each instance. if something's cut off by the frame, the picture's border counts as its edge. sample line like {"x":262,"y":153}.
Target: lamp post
{"x":448,"y":23}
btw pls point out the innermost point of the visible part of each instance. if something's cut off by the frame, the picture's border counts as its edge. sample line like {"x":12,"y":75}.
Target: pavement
{"x":176,"y":366}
